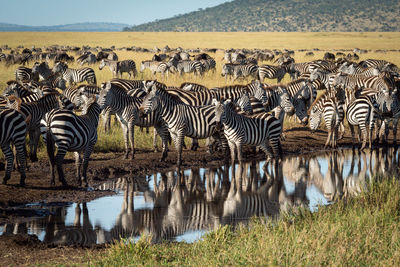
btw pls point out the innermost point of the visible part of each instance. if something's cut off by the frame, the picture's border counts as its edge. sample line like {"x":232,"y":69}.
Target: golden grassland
{"x":113,"y":141}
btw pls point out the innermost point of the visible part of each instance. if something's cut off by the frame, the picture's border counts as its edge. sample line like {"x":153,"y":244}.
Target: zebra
{"x":42,"y":69}
{"x":119,"y":67}
{"x":13,"y":130}
{"x":182,"y":120}
{"x":186,"y":66}
{"x":74,"y":94}
{"x":295,"y":70}
{"x":208,"y":64}
{"x":201,"y":98}
{"x":75,"y":75}
{"x":35,"y":111}
{"x":70,"y":132}
{"x":325,"y":76}
{"x":379,"y":83}
{"x":362,"y":112}
{"x":322,"y":64}
{"x":262,"y":131}
{"x":379,"y":64}
{"x":243,"y":71}
{"x":126,"y":108}
{"x":331,"y":109}
{"x":24,"y":74}
{"x":271,"y":72}
{"x":56,"y":81}
{"x":156,"y":67}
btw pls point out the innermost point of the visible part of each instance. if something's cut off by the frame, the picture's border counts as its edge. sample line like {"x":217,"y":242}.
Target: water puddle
{"x":183,"y":206}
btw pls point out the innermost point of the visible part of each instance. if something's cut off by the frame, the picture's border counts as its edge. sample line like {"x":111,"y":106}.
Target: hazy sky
{"x":132,"y":12}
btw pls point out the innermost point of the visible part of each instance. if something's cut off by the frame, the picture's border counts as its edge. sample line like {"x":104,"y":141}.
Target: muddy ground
{"x":22,"y":249}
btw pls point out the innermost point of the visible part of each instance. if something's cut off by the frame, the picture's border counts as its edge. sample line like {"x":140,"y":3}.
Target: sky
{"x":132,"y":12}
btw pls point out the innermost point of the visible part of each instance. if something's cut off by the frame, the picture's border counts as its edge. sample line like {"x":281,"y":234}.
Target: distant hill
{"x":76,"y":27}
{"x":285,"y":15}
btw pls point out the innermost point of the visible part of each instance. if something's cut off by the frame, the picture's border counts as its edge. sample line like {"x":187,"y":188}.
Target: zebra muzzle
{"x":142,"y":114}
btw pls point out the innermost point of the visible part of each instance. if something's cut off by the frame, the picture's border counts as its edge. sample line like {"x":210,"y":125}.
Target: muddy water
{"x":182,"y":206}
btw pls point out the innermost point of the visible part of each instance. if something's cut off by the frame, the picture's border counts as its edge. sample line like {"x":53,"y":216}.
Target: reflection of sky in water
{"x":104,"y":211}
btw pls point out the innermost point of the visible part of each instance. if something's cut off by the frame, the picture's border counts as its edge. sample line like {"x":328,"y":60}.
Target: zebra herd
{"x":38,"y":102}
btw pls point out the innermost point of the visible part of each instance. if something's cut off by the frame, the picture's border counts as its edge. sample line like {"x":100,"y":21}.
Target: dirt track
{"x":20,"y":249}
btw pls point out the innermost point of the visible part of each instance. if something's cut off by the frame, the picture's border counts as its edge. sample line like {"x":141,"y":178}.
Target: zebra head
{"x":150,"y":102}
{"x":59,"y":67}
{"x":105,"y":96}
{"x":65,"y":103}
{"x":285,"y":102}
{"x":314,"y":118}
{"x":315,"y":74}
{"x":219,"y":112}
{"x":102,"y":64}
{"x":256,"y":89}
{"x":244,"y":103}
{"x":13,"y":88}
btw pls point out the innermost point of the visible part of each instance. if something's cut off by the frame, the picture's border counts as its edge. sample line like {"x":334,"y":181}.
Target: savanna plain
{"x":363,"y":230}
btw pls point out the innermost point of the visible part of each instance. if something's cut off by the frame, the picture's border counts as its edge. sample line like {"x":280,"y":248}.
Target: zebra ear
{"x":214,"y":102}
{"x":228,"y":101}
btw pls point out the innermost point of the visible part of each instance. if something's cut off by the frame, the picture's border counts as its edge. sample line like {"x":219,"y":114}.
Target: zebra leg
{"x":328,"y":139}
{"x":106,"y":120}
{"x":164,"y":134}
{"x":240,"y":153}
{"x":232,"y":147}
{"x":131,"y":129}
{"x":125,"y":131}
{"x":363,"y":130}
{"x":34,"y":136}
{"x":78,"y":165}
{"x":155,"y":140}
{"x":50,"y":154}
{"x":341,"y":130}
{"x":10,"y":159}
{"x":195,"y":144}
{"x":20,"y":147}
{"x":86,"y":156}
{"x":178,"y":140}
{"x":61,"y":151}
{"x":265,"y":148}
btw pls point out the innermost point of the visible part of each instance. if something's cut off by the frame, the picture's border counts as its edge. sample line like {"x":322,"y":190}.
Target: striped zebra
{"x":74,"y":94}
{"x":322,"y":64}
{"x":13,"y":130}
{"x":271,"y":72}
{"x":24,"y":74}
{"x":295,"y":70}
{"x":208,"y":65}
{"x":379,"y":83}
{"x":156,"y":67}
{"x":186,"y":66}
{"x":42,"y":69}
{"x":233,"y":92}
{"x":358,"y":70}
{"x":16,"y":89}
{"x":330,"y":108}
{"x":239,"y":130}
{"x":325,"y":76}
{"x":361,"y":112}
{"x":379,"y":64}
{"x":70,"y":132}
{"x":182,"y":120}
{"x":132,"y":87}
{"x":119,"y":67}
{"x":35,"y":111}
{"x":126,"y":109}
{"x":243,"y":71}
{"x":74,"y":76}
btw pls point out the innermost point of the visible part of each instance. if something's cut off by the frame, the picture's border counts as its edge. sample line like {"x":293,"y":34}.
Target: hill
{"x":287,"y":16}
{"x":76,"y":27}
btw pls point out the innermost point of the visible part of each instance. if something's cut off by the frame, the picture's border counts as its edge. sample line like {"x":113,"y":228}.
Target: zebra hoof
{"x":22,"y":183}
{"x":4,"y":182}
{"x":34,"y":158}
